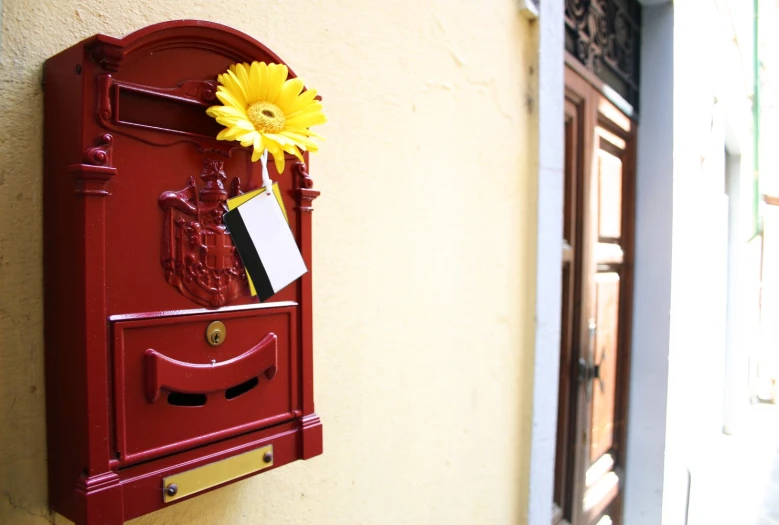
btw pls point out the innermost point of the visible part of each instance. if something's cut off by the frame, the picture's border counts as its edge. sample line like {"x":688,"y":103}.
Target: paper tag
{"x":265,"y":243}
{"x":240,"y":199}
{"x":243,"y":197}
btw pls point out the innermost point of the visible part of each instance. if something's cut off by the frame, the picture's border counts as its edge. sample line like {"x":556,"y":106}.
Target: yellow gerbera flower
{"x":264,"y":109}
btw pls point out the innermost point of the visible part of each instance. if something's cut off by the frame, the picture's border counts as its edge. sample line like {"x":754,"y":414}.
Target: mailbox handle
{"x":163,"y":372}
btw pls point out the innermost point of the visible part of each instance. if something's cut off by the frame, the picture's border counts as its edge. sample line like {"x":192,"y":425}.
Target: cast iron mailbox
{"x":164,"y":377}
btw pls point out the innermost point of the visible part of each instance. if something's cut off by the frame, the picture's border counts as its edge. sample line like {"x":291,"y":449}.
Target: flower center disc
{"x":266,"y":117}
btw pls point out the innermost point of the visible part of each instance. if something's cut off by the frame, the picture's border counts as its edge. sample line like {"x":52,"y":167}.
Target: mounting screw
{"x":172,"y":489}
{"x":268,"y":457}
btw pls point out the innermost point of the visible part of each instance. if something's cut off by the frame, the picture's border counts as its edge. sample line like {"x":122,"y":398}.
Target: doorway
{"x":597,"y":268}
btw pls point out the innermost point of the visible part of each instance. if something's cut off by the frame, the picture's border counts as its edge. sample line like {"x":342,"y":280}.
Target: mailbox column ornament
{"x":91,"y":180}
{"x":306,"y":192}
{"x":93,"y":175}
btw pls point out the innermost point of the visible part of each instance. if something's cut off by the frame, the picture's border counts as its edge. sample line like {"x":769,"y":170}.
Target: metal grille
{"x":605,"y":36}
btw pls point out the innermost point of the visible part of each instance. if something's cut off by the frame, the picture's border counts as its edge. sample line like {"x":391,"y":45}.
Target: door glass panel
{"x":605,"y":356}
{"x":610,"y":184}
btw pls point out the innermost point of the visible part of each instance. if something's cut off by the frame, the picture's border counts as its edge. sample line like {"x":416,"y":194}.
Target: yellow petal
{"x":258,"y":148}
{"x":311,"y":107}
{"x":276,"y":151}
{"x":225,"y":112}
{"x":289,"y":92}
{"x":227,"y":98}
{"x":242,"y":71}
{"x":306,"y":120}
{"x":305,"y":112}
{"x":244,"y":124}
{"x":230,"y":85}
{"x":269,"y":143}
{"x":235,"y":67}
{"x":309,"y":133}
{"x":259,"y":81}
{"x":229,"y":134}
{"x":227,"y":122}
{"x":277,"y":74}
{"x":235,"y":86}
{"x":301,"y":101}
{"x":294,"y":151}
{"x":281,"y":139}
{"x":219,"y":111}
{"x":242,"y":74}
{"x":297,"y":139}
{"x":278,"y":158}
{"x":303,"y":131}
{"x":247,"y":139}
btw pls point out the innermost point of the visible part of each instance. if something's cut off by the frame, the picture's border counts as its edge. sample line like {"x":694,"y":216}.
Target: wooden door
{"x":596,"y":306}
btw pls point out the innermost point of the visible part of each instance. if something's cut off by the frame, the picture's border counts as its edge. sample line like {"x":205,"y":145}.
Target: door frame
{"x":549,"y":31}
{"x":652,"y":274}
{"x":592,"y":109}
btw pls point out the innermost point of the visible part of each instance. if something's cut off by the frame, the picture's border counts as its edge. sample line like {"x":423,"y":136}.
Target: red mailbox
{"x":164,"y":377}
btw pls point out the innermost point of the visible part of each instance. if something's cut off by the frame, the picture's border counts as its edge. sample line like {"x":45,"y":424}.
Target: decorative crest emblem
{"x":198,"y":255}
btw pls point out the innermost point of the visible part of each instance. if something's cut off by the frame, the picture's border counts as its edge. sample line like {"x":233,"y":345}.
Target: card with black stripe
{"x":236,"y":201}
{"x":265,"y":243}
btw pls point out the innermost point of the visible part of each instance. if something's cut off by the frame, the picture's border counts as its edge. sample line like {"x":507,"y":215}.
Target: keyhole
{"x":216,"y":333}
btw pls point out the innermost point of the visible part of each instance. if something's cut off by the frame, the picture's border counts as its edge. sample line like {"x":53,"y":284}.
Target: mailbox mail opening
{"x":244,"y":384}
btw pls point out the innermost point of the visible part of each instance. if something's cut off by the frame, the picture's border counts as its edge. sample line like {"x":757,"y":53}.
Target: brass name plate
{"x":203,"y":478}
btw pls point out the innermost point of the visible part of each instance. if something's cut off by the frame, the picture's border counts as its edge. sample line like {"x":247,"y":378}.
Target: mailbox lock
{"x":216,"y":333}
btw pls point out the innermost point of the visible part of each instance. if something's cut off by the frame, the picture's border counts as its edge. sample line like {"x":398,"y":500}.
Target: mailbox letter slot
{"x":189,"y":378}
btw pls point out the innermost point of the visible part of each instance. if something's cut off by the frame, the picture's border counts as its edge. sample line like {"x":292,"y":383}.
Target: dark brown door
{"x":596,"y":304}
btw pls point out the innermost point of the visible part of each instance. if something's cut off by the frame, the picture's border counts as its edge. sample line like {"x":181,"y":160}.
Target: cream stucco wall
{"x":424,"y":256}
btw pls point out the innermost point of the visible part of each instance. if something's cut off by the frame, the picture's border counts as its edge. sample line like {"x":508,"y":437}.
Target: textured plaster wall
{"x":424,"y":256}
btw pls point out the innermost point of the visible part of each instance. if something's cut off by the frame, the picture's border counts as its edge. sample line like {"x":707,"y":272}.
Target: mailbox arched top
{"x":112,"y":53}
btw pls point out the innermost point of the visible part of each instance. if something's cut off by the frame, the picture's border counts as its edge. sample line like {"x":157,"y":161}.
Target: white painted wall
{"x":652,"y":288}
{"x":699,"y":263}
{"x":693,"y":107}
{"x":548,"y":257}
{"x":737,"y":347}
